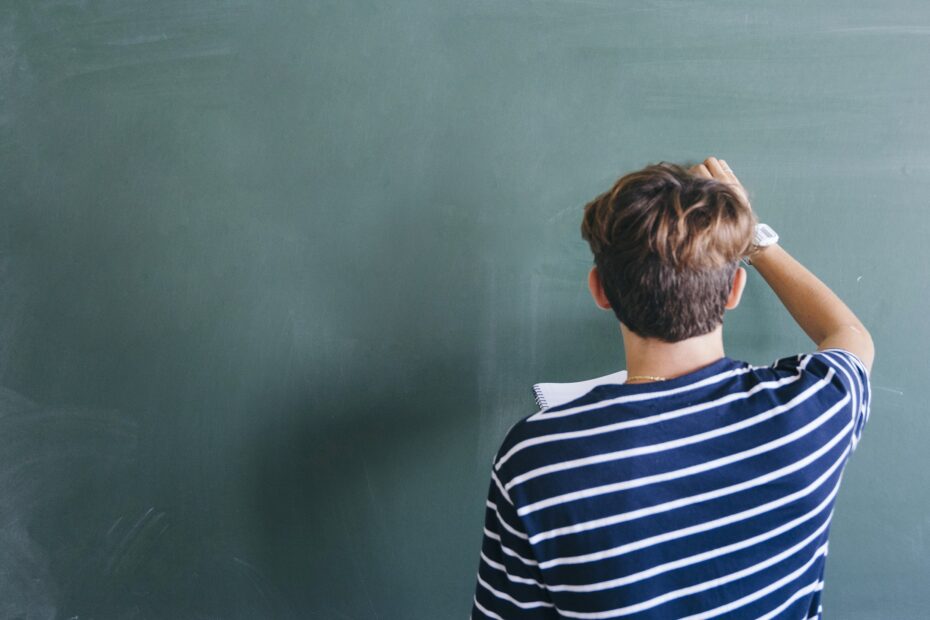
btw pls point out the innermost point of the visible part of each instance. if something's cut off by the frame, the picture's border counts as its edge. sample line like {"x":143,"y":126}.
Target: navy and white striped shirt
{"x":707,"y":495}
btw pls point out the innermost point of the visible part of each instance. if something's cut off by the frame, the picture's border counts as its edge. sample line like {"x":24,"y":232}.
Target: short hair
{"x":667,"y":245}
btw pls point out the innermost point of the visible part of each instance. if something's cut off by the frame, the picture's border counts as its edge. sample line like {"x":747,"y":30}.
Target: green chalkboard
{"x":276,"y":277}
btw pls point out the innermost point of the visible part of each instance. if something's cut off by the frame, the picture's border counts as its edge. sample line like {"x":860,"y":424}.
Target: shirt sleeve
{"x":509,"y":584}
{"x":847,"y":373}
{"x":855,"y":377}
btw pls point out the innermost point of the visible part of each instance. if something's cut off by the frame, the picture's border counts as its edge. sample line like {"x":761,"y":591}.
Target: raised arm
{"x":818,"y":311}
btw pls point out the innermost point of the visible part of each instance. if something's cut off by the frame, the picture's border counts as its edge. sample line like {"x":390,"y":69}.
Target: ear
{"x":597,"y":289}
{"x":739,"y":283}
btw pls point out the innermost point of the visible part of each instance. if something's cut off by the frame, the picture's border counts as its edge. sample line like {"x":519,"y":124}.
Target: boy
{"x":703,"y":486}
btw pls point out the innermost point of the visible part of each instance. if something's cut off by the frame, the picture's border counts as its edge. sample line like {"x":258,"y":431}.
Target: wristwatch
{"x":763,"y":236}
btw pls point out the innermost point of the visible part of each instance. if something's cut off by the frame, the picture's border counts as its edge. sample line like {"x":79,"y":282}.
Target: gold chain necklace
{"x":628,"y":379}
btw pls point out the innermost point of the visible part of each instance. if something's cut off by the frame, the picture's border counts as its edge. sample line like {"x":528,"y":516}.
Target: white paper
{"x":555,"y":394}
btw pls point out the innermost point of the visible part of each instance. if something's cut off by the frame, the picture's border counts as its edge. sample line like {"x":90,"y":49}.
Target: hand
{"x":713,"y":168}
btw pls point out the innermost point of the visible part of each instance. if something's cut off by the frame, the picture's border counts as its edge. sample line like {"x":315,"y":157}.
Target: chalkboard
{"x":277,"y":277}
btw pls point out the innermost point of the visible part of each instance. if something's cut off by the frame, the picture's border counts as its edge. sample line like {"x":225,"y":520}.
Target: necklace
{"x":628,"y":379}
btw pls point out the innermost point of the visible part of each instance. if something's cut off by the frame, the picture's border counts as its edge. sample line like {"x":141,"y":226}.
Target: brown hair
{"x":667,"y":244}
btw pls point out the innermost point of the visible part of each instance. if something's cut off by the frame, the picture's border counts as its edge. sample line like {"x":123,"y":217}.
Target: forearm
{"x":816,"y":308}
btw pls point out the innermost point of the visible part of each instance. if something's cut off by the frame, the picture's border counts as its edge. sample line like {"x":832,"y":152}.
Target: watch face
{"x":765,"y":234}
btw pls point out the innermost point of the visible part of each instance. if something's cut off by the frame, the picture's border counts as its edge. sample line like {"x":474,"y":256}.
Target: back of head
{"x":667,"y":244}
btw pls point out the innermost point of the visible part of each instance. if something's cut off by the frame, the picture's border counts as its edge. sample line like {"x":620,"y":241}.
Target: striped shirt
{"x":707,"y":495}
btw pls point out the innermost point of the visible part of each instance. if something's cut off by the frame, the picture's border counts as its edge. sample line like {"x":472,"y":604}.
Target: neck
{"x":652,"y":357}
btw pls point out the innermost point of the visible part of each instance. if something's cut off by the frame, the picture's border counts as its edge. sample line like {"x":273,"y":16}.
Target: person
{"x":703,"y":486}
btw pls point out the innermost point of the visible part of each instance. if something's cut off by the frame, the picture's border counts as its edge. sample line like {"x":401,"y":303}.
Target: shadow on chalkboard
{"x":328,"y":531}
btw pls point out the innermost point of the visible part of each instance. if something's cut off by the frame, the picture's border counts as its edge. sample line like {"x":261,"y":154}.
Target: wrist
{"x":763,"y":237}
{"x":760,"y":254}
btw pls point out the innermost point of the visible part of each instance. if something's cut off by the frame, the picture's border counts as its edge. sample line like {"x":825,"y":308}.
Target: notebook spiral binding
{"x":540,"y":398}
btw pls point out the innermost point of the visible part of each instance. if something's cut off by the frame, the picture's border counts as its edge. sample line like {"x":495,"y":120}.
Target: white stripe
{"x":576,"y":528}
{"x":507,"y":597}
{"x":848,"y":369}
{"x":760,"y":593}
{"x":700,"y":527}
{"x":506,"y":525}
{"x":513,"y":578}
{"x":852,"y":356}
{"x":669,"y":415}
{"x":812,"y":587}
{"x":500,"y":487}
{"x":863,"y":385}
{"x":680,"y":473}
{"x":700,"y":557}
{"x":549,"y":415}
{"x":674,"y":443}
{"x":488,"y":613}
{"x":654,"y":419}
{"x":507,"y":549}
{"x":855,"y":386}
{"x":713,"y":583}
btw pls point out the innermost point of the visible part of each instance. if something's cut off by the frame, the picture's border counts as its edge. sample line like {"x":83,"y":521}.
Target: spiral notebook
{"x":555,"y":394}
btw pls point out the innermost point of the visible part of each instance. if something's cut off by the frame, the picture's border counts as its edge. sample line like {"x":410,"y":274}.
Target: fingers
{"x":727,"y":172}
{"x":726,"y":169}
{"x":711,"y":168}
{"x":716,"y":169}
{"x":701,"y":171}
